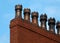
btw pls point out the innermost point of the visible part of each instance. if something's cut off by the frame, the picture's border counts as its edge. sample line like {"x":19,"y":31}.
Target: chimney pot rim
{"x":35,"y":14}
{"x":19,"y":7}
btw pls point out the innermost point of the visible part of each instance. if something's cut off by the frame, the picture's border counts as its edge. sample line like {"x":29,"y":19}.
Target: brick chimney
{"x":43,"y":20}
{"x":51,"y":23}
{"x":35,"y":18}
{"x":18,"y":10}
{"x":27,"y":14}
{"x":58,"y":27}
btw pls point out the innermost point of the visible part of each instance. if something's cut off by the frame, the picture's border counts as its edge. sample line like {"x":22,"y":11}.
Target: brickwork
{"x":25,"y":31}
{"x":22,"y":31}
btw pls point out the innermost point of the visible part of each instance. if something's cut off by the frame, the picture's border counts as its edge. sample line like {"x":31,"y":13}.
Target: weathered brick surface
{"x":22,"y":31}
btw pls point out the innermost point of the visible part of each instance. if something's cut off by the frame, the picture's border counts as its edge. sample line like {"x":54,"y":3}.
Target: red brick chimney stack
{"x":43,"y":20}
{"x":58,"y":27}
{"x":51,"y":23}
{"x":35,"y":18}
{"x":18,"y":9}
{"x":27,"y":14}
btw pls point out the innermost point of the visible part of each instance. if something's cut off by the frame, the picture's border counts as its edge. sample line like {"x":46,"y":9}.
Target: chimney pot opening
{"x":27,"y":14}
{"x":43,"y":20}
{"x":18,"y":9}
{"x":58,"y":27}
{"x":51,"y":23}
{"x":35,"y":17}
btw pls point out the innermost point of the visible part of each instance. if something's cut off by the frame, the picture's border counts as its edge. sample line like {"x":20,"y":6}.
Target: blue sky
{"x":7,"y":13}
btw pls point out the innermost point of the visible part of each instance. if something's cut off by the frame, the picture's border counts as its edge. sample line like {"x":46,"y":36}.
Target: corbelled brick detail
{"x":22,"y":31}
